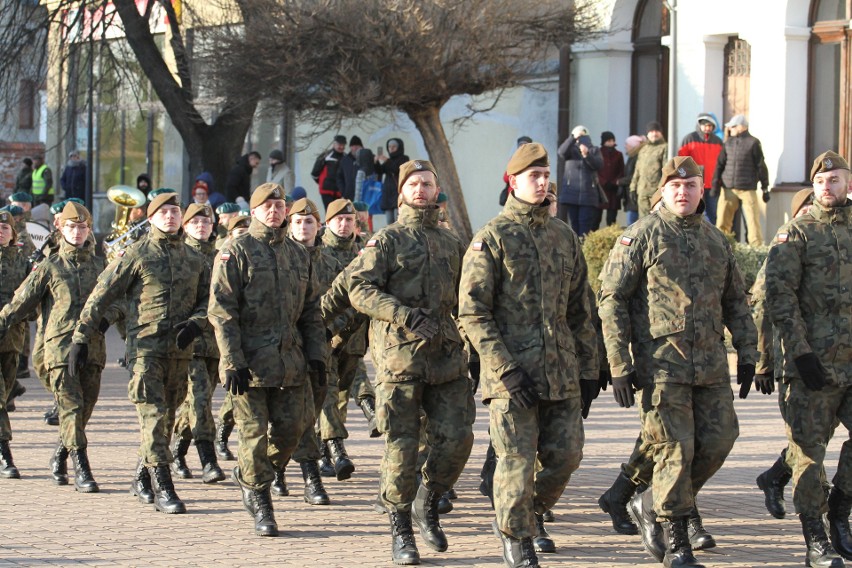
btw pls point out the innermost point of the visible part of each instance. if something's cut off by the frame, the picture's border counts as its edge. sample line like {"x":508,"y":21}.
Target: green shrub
{"x":749,"y":259}
{"x":596,"y":247}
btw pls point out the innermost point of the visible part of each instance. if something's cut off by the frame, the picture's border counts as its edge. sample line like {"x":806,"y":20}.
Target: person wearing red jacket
{"x":704,"y":147}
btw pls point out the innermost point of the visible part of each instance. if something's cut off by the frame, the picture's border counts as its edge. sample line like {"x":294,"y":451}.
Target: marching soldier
{"x":264,"y":308}
{"x":166,"y":284}
{"x":406,"y":281}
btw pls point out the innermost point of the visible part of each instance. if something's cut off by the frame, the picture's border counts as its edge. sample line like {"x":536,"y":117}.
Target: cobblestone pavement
{"x":44,"y":524}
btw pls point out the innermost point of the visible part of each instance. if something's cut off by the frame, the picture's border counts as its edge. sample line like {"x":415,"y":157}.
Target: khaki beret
{"x":304,"y":206}
{"x":656,"y":198}
{"x":800,"y":199}
{"x":238,"y":221}
{"x":165,"y":198}
{"x":266,"y":191}
{"x":680,"y":167}
{"x":339,"y":207}
{"x":196,"y":209}
{"x":411,"y":167}
{"x":75,"y":212}
{"x":9,"y":219}
{"x":828,"y":161}
{"x":527,"y":156}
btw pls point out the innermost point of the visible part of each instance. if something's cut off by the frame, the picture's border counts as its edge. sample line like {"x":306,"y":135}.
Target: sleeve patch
{"x":225,"y":256}
{"x":782,"y":237}
{"x":372,"y":243}
{"x":121,"y":253}
{"x":627,"y":241}
{"x":477,"y":246}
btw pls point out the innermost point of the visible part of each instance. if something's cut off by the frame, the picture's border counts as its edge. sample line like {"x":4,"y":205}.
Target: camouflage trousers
{"x":537,"y":451}
{"x":811,"y":417}
{"x":226,"y":411}
{"x":8,"y":373}
{"x":690,"y":431}
{"x":359,"y":389}
{"x":309,"y":445}
{"x":271,"y":422}
{"x":788,"y":456}
{"x":38,"y":359}
{"x":342,"y":369}
{"x":449,"y":410}
{"x":157,"y":387}
{"x":195,"y":415}
{"x":640,"y":466}
{"x":76,"y":397}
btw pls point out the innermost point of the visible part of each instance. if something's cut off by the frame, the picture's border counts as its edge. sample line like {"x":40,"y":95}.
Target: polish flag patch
{"x":225,"y":256}
{"x":477,"y":246}
{"x":627,"y":241}
{"x":372,"y":243}
{"x":782,"y":237}
{"x":121,"y":253}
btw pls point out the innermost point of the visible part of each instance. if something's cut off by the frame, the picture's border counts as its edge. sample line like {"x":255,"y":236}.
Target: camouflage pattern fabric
{"x":8,"y":372}
{"x":25,"y":241}
{"x":226,"y":411}
{"x":195,"y":416}
{"x":358,"y":389}
{"x":76,"y":397}
{"x":14,"y":268}
{"x":343,"y":250}
{"x":341,"y":370}
{"x":650,"y":160}
{"x":309,"y":447}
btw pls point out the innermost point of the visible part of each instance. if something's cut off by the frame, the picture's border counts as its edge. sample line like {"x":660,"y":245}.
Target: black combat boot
{"x":679,"y":551}
{"x":179,"y":466}
{"x":59,"y":465}
{"x":326,"y":469}
{"x":839,"y":506}
{"x":222,"y":433}
{"x":7,"y":467}
{"x":141,"y":486}
{"x":211,"y":472}
{"x":403,"y":548}
{"x":614,"y":502}
{"x":368,"y":406}
{"x":424,"y":512}
{"x":258,"y":502}
{"x":279,"y":484}
{"x":23,"y":369}
{"x":51,"y":415}
{"x":542,"y":541}
{"x":343,"y":466}
{"x":17,"y":390}
{"x":772,"y":483}
{"x":165,"y":498}
{"x":445,"y":505}
{"x":486,"y":486}
{"x":820,"y":552}
{"x":641,"y":510}
{"x":699,"y":538}
{"x":517,"y":552}
{"x":451,"y":494}
{"x":315,"y":493}
{"x":84,"y":482}
{"x":549,"y":517}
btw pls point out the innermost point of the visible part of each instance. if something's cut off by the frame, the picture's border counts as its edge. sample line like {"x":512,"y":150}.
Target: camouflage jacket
{"x":264,"y":308}
{"x":412,"y":263}
{"x":524,"y":302}
{"x":765,"y":329}
{"x":25,"y":241}
{"x":14,"y":268}
{"x":204,"y":346}
{"x":165,"y":282}
{"x":344,"y":250}
{"x":649,"y":167}
{"x":808,"y":280}
{"x":669,"y":289}
{"x":347,"y":326}
{"x":59,"y":286}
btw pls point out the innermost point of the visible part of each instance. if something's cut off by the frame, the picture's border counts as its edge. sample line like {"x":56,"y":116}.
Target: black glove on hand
{"x":186,"y":332}
{"x":475,"y":368}
{"x":77,"y":358}
{"x":103,"y":326}
{"x":318,"y":367}
{"x":604,"y":378}
{"x":237,"y":382}
{"x":589,"y":391}
{"x":766,"y":196}
{"x":811,"y":370}
{"x":745,"y":376}
{"x":421,"y":324}
{"x":521,"y":387}
{"x":622,"y":390}
{"x":764,"y":383}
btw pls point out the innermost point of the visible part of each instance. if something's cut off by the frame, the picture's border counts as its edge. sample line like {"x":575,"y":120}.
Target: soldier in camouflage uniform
{"x":264,"y":308}
{"x":224,"y":213}
{"x":14,"y":267}
{"x":669,"y":289}
{"x":808,"y":276}
{"x":59,"y":286}
{"x":195,"y":416}
{"x":406,"y":281}
{"x":166,"y":285}
{"x":528,"y":317}
{"x":20,"y":207}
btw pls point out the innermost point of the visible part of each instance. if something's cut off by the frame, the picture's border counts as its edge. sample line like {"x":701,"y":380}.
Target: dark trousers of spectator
{"x":583,"y":218}
{"x":711,"y":203}
{"x":611,"y":215}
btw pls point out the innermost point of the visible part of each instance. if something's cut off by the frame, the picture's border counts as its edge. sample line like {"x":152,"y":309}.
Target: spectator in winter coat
{"x":143,"y":183}
{"x":24,"y":181}
{"x":609,"y":174}
{"x":73,"y":178}
{"x":631,"y":203}
{"x":238,"y":184}
{"x":388,"y":165}
{"x":347,"y":170}
{"x":325,"y":168}
{"x":279,"y":172}
{"x":649,"y":167}
{"x":579,"y":199}
{"x":704,"y":147}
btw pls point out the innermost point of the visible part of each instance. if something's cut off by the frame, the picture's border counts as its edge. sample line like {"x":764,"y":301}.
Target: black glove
{"x":715,"y":191}
{"x":237,"y":381}
{"x":77,"y":357}
{"x":622,"y":390}
{"x":745,"y":376}
{"x":589,"y":391}
{"x":186,"y":332}
{"x":421,"y":324}
{"x":604,"y":377}
{"x":766,"y":196}
{"x":811,"y":370}
{"x":475,"y":368}
{"x":521,"y":387}
{"x":103,"y":326}
{"x":328,"y":335}
{"x":318,"y":367}
{"x":764,"y":383}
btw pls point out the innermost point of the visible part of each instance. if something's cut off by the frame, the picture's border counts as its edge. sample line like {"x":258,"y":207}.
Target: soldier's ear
{"x":513,"y":181}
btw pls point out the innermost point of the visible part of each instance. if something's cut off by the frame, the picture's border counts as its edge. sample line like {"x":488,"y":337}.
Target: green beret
{"x":228,"y":207}
{"x":360,"y":206}
{"x":442,"y":197}
{"x":411,"y":167}
{"x":14,"y":210}
{"x":288,"y":200}
{"x":527,"y":156}
{"x":77,"y":200}
{"x":680,"y":167}
{"x":826,"y":162}
{"x":159,"y":191}
{"x":21,"y":197}
{"x":57,"y":207}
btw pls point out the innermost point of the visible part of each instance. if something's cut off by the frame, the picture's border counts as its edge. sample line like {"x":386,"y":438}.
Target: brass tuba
{"x":125,"y":199}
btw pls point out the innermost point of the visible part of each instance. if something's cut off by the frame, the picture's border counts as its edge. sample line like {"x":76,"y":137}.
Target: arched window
{"x":829,"y":69}
{"x":649,"y":90}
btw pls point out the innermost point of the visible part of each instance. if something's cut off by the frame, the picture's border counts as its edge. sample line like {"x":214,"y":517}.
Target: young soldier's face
{"x":532,"y":184}
{"x":342,"y":225}
{"x":75,"y":233}
{"x":420,"y":189}
{"x":167,"y":218}
{"x":5,"y":234}
{"x":682,"y":195}
{"x":199,"y":227}
{"x":271,"y":212}
{"x":830,"y":187}
{"x":304,"y":228}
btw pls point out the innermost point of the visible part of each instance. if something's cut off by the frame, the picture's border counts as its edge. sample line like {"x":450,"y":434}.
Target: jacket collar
{"x":526,"y":213}
{"x":266,"y":234}
{"x":161,"y":237}
{"x":840,"y":215}
{"x":693,"y":220}
{"x":336,"y":242}
{"x":426,"y":217}
{"x":68,"y":250}
{"x":205,"y":247}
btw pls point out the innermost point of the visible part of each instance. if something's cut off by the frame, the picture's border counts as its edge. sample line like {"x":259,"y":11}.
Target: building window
{"x":27,"y":101}
{"x":649,"y":90}
{"x":737,"y":77}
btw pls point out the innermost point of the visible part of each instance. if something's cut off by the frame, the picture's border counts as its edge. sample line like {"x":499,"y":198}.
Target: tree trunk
{"x":219,"y":149}
{"x":428,"y":122}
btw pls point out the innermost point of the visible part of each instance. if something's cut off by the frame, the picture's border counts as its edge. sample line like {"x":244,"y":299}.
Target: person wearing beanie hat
{"x":166,"y":286}
{"x":326,"y":168}
{"x":675,"y":249}
{"x":347,"y":170}
{"x":298,"y":193}
{"x":703,"y":146}
{"x":739,"y":168}
{"x":609,"y":175}
{"x":388,"y":166}
{"x":238,"y":182}
{"x":650,"y":158}
{"x":224,"y":213}
{"x":58,"y":288}
{"x":279,"y":172}
{"x":387,"y":282}
{"x":580,"y":196}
